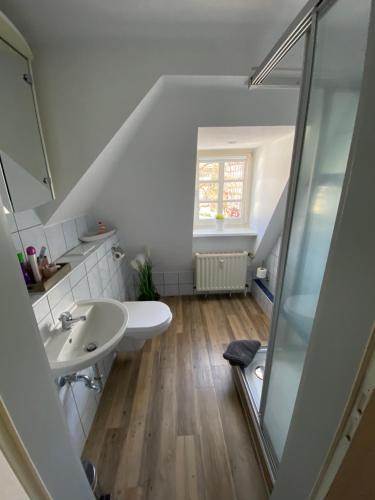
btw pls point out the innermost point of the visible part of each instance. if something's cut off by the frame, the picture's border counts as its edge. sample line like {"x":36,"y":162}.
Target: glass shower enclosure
{"x":336,"y":37}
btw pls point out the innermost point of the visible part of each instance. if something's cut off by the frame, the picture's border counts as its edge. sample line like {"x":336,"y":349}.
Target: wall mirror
{"x":25,"y":177}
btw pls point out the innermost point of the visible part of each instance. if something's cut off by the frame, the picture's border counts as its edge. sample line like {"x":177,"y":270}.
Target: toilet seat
{"x":147,"y":319}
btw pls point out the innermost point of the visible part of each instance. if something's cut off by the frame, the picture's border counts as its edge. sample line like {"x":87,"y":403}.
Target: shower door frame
{"x":305,"y":24}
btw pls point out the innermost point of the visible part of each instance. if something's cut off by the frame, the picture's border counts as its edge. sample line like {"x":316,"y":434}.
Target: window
{"x":222,"y":187}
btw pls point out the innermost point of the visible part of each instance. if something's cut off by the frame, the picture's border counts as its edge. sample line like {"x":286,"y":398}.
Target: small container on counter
{"x":50,"y":270}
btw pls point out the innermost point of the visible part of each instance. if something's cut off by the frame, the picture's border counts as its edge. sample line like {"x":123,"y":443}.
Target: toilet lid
{"x":144,"y":315}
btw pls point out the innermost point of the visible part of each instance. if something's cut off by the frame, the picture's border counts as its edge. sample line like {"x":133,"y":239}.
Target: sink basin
{"x":102,"y":331}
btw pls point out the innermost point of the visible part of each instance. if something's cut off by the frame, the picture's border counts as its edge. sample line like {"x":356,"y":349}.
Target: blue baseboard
{"x":264,"y":289}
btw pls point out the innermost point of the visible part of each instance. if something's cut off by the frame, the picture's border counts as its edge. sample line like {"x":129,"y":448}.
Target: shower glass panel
{"x":337,"y":73}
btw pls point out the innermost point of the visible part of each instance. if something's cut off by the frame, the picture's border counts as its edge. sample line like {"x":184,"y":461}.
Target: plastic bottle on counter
{"x":31,"y":254}
{"x":22,"y":262}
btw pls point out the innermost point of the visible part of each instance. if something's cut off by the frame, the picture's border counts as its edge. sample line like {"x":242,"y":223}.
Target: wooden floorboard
{"x":170,"y":425}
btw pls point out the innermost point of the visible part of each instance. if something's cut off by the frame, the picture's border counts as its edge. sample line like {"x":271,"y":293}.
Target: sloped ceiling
{"x":45,"y":21}
{"x":95,"y":61}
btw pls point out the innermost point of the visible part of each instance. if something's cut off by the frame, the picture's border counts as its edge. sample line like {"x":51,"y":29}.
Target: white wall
{"x":87,"y":92}
{"x":149,"y":192}
{"x":272,"y":163}
{"x":27,"y":387}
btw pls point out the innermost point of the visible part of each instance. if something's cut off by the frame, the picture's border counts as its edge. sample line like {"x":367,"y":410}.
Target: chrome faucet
{"x":67,"y":320}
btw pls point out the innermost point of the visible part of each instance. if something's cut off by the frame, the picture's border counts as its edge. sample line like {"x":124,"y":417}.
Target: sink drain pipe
{"x":94,"y":384}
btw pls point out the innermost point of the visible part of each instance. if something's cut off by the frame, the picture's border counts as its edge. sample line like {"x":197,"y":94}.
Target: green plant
{"x":146,"y":287}
{"x":219,"y":217}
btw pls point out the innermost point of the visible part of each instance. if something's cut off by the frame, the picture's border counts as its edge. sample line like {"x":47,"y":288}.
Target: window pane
{"x":208,"y":171}
{"x":234,"y":169}
{"x":207,"y":210}
{"x":208,"y":191}
{"x":232,"y":209}
{"x":233,"y":191}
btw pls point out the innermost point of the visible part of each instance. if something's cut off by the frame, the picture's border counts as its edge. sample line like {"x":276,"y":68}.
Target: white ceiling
{"x":239,"y":137}
{"x":51,"y":20}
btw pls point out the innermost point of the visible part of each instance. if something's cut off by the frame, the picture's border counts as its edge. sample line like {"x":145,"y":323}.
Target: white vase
{"x":219,"y":224}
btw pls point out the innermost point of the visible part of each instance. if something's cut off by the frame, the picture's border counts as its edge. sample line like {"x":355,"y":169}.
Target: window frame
{"x":221,"y":156}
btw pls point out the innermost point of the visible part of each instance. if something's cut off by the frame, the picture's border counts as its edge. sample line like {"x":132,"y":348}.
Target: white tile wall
{"x":272,"y":264}
{"x":81,"y":291}
{"x":70,"y":233}
{"x":177,"y":283}
{"x":72,"y":418}
{"x":56,"y":241}
{"x":41,"y":309}
{"x":76,"y":276}
{"x":263,"y":301}
{"x":81,"y":407}
{"x":85,"y":281}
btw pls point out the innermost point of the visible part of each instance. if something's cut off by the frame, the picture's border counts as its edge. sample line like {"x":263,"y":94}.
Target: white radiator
{"x":220,"y":271}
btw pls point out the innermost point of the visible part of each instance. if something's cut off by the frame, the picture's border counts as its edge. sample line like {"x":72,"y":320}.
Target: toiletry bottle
{"x":26,"y":276}
{"x":42,"y":262}
{"x":102,"y":228}
{"x":31,"y":253}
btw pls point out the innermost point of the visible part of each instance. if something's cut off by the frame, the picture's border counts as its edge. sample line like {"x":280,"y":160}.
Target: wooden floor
{"x":169,"y":425}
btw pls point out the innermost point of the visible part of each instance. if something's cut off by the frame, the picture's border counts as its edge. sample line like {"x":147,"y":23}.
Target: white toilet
{"x":146,"y":320}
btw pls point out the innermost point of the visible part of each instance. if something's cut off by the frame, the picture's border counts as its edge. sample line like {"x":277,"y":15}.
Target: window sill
{"x":227,"y":232}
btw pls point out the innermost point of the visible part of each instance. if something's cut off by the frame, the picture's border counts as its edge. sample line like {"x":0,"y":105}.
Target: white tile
{"x":73,"y":420}
{"x":17,"y":243}
{"x":108,"y":292}
{"x":95,"y":283}
{"x":105,"y":365}
{"x":186,"y":289}
{"x":91,"y":261}
{"x":81,"y":291}
{"x":186,"y":277}
{"x":46,"y":326}
{"x":55,"y":295}
{"x":171,"y":290}
{"x":115,"y":287}
{"x":82,"y":227}
{"x":11,"y":221}
{"x":34,"y":237}
{"x":77,"y":274}
{"x":85,"y":401}
{"x":56,"y":241}
{"x":101,"y":252}
{"x":108,"y":244}
{"x":102,"y":370}
{"x":70,"y":234}
{"x":27,"y":218}
{"x":112,"y":265}
{"x":108,"y":362}
{"x":272,"y":283}
{"x":41,"y":309}
{"x":64,"y":305}
{"x":104,"y":271}
{"x":121,"y":285}
{"x":170,"y":278}
{"x":114,"y":239}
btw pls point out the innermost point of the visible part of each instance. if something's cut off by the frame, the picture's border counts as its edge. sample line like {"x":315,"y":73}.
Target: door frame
{"x":18,"y":458}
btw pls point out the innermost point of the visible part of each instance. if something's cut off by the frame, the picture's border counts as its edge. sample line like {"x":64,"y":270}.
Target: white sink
{"x":105,"y":325}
